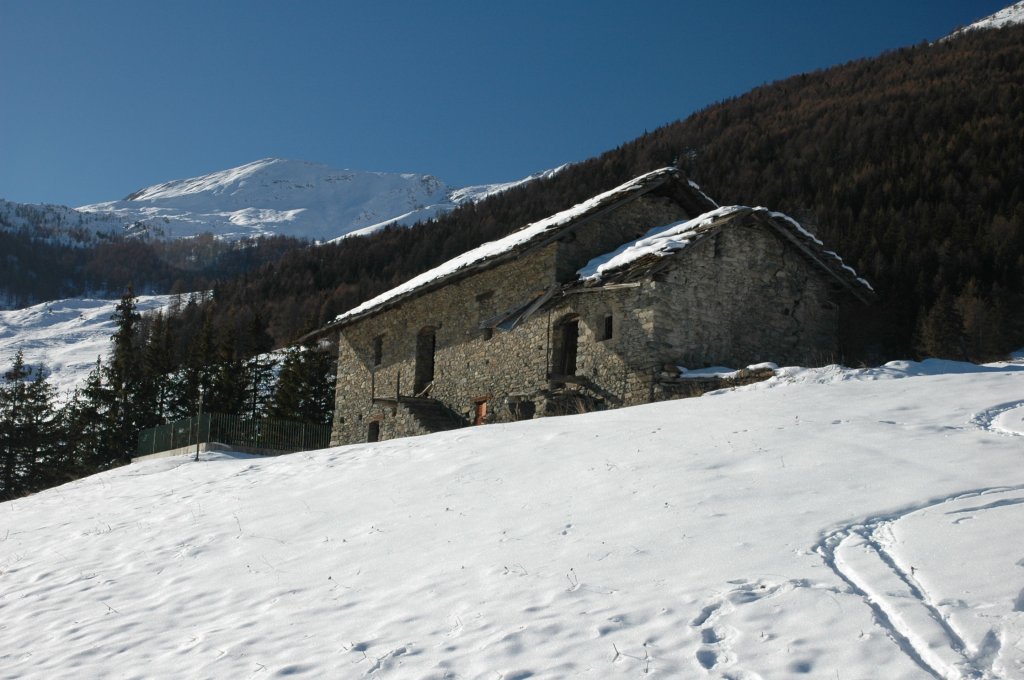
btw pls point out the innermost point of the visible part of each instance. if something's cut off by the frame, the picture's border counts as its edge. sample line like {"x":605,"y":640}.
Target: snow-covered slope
{"x":288,"y":197}
{"x":65,"y":335}
{"x":831,"y":523}
{"x":1012,"y":14}
{"x":57,"y":223}
{"x":479,"y":192}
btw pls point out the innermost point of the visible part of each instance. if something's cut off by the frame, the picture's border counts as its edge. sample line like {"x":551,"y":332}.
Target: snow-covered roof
{"x":659,"y":241}
{"x":495,"y":251}
{"x":656,"y":243}
{"x":668,"y":239}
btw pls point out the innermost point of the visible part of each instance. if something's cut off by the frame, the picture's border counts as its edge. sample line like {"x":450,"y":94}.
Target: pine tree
{"x":27,"y":429}
{"x":158,"y":365}
{"x":259,"y":372}
{"x":88,"y":423}
{"x":305,"y":388}
{"x":196,"y":375}
{"x":125,"y":378}
{"x":228,"y":384}
{"x":941,"y":330}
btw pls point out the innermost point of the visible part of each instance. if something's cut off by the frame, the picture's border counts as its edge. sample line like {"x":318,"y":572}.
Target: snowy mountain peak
{"x":1010,"y":15}
{"x":289,"y":197}
{"x":278,"y":196}
{"x":220,"y":182}
{"x":273,"y":174}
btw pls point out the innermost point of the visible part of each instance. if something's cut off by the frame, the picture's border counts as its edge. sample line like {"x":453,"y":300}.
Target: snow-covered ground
{"x":65,"y":335}
{"x":830,"y":523}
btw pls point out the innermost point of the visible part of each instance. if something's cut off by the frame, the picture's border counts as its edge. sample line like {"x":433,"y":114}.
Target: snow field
{"x":832,"y":523}
{"x":65,"y":335}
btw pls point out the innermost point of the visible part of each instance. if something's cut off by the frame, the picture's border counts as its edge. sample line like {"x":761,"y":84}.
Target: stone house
{"x":593,"y":307}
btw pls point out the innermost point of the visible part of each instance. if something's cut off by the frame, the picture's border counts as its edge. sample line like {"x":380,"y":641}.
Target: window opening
{"x":522,"y":410}
{"x":373,"y":431}
{"x":378,"y":350}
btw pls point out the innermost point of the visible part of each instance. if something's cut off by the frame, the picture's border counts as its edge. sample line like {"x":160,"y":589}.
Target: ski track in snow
{"x":863,"y":555}
{"x":1003,"y":419}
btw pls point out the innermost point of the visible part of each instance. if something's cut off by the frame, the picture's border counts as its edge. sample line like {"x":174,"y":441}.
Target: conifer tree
{"x":158,"y":365}
{"x":87,"y":421}
{"x":259,"y":372}
{"x":941,"y":330}
{"x":27,"y":429}
{"x":125,"y":378}
{"x":228,"y":385}
{"x":305,"y":388}
{"x":196,"y":374}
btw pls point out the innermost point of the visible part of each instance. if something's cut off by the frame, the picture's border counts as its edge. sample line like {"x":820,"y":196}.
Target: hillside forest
{"x":39,"y":266}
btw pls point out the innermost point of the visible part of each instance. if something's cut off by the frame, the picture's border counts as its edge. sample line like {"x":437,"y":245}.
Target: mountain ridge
{"x":1008,"y":16}
{"x":301,"y":199}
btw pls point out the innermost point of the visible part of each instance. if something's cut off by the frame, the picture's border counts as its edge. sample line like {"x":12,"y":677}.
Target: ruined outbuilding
{"x":594,"y":307}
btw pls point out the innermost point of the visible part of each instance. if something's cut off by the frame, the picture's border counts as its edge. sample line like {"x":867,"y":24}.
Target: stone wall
{"x":468,"y":360}
{"x":509,"y":370}
{"x":741,"y":297}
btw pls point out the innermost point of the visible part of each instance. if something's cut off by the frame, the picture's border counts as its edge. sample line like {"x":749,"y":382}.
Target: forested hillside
{"x":911,"y":165}
{"x":37,"y":268}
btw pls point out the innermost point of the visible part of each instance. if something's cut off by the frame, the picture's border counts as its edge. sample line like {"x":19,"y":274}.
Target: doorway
{"x":566,"y":346}
{"x":480,"y":412}
{"x":425,"y":345}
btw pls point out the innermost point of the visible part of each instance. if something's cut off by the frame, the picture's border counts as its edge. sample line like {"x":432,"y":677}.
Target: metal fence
{"x":270,"y":434}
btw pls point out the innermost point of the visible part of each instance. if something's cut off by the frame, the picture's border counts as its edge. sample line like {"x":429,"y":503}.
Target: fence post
{"x":199,"y":424}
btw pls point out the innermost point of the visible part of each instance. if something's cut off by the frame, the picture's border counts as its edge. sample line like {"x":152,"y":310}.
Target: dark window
{"x":522,"y":410}
{"x":488,"y":333}
{"x":378,"y":350}
{"x":609,"y":327}
{"x":373,"y":432}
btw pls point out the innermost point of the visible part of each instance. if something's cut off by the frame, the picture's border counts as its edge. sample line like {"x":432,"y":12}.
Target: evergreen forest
{"x":45,"y":441}
{"x":38,"y":267}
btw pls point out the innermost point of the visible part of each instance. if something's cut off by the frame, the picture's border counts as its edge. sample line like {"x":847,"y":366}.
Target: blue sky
{"x":103,"y":97}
